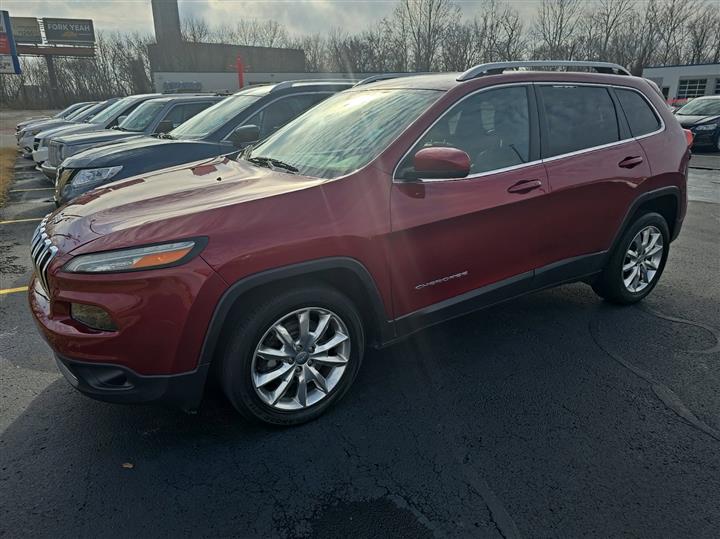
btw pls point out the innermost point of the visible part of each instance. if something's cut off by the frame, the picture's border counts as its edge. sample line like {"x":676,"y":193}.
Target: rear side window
{"x":639,"y":115}
{"x":576,"y":118}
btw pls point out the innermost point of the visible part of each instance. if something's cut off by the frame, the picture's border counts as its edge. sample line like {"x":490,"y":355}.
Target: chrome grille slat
{"x":42,"y":252}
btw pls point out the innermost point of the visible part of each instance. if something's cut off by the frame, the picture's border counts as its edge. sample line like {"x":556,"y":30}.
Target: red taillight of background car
{"x":689,"y":137}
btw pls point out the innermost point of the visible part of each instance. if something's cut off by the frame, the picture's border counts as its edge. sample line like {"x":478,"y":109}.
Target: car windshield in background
{"x":212,"y":118}
{"x":701,"y":107}
{"x":112,"y":110}
{"x":142,"y":116}
{"x":345,"y":132}
{"x":84,"y":112}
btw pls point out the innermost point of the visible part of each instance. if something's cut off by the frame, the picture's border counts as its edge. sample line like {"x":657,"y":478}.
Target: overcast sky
{"x":299,"y":16}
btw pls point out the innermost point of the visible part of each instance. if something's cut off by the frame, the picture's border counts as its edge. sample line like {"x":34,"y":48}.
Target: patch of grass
{"x":7,"y":164}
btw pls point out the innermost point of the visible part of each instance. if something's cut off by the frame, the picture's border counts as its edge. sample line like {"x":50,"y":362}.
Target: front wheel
{"x":636,"y":263}
{"x":293,"y":356}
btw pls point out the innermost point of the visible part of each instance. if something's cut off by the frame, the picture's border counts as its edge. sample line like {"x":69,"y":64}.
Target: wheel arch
{"x":665,"y":201}
{"x":347,"y":275}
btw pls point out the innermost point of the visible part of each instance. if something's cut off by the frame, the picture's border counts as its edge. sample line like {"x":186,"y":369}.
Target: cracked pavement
{"x":553,"y":415}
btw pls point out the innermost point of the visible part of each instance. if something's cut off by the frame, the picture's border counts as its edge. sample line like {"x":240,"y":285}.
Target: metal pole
{"x":52,"y":76}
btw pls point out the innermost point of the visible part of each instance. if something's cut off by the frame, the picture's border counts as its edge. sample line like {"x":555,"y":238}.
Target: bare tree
{"x":426,"y":22}
{"x":555,"y":28}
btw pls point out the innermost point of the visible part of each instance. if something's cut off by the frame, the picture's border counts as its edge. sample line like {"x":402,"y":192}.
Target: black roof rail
{"x":388,"y":76}
{"x":496,"y":68}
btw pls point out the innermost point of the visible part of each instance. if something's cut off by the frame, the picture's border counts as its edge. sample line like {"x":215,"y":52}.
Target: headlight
{"x":140,"y":258}
{"x":94,"y":175}
{"x":706,"y":127}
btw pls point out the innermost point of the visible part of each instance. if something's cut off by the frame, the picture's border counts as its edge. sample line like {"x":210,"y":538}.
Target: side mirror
{"x":121,"y":119}
{"x":244,"y":134}
{"x":441,"y":162}
{"x":165,"y":126}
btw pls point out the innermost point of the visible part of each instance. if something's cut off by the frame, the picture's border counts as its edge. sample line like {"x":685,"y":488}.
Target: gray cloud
{"x":299,"y":16}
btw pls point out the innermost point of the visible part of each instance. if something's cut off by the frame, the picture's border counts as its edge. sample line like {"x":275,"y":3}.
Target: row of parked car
{"x":91,"y":144}
{"x":272,"y":237}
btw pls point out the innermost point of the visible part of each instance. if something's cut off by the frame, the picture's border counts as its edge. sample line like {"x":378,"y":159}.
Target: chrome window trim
{"x":258,"y":111}
{"x":395,"y":179}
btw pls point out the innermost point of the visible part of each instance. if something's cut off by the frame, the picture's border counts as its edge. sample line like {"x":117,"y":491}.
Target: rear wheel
{"x":636,"y":263}
{"x":293,"y":356}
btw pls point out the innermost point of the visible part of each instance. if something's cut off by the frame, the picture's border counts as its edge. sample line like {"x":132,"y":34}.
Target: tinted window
{"x":577,"y":117}
{"x":639,"y":115}
{"x":181,"y":113}
{"x":277,"y":114}
{"x":492,"y":127}
{"x":210,"y":120}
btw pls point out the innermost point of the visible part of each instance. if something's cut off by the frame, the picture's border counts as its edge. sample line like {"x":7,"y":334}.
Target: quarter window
{"x":639,"y":115}
{"x":576,"y":118}
{"x":492,"y":127}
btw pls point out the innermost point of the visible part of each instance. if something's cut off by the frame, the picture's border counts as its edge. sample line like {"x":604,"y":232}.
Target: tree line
{"x":419,"y":35}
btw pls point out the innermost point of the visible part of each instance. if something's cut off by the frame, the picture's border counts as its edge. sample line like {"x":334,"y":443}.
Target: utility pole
{"x":52,"y":78}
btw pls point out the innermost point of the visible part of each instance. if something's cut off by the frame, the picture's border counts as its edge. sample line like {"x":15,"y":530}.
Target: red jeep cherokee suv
{"x":387,"y":208}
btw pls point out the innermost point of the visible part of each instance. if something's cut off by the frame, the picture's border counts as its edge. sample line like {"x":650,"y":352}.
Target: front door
{"x":452,"y":237}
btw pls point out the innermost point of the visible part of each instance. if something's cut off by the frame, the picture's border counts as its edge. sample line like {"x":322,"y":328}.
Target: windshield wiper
{"x":165,"y":135}
{"x":269,"y":162}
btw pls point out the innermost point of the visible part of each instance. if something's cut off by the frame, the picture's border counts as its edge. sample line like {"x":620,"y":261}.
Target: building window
{"x":717,"y":86}
{"x":691,"y":88}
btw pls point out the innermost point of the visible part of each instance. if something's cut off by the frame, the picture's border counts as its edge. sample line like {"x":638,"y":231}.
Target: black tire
{"x":609,"y":284}
{"x":236,"y":367}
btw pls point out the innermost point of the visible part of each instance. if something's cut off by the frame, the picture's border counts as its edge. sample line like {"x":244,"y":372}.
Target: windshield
{"x":110,"y":112}
{"x":142,"y":117}
{"x":213,"y":118}
{"x":83,"y":112}
{"x":345,"y":132}
{"x":701,"y":107}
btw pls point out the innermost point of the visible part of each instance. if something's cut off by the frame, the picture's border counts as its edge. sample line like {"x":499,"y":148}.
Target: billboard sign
{"x":69,"y":31}
{"x":26,"y":29}
{"x":8,"y":54}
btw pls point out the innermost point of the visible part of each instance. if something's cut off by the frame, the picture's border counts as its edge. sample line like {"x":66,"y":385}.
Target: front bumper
{"x":118,"y":384}
{"x":49,"y":171}
{"x":703,"y":139}
{"x":40,"y":155}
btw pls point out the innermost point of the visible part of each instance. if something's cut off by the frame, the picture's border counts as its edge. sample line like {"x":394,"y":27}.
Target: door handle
{"x":524,"y":186}
{"x":630,"y":162}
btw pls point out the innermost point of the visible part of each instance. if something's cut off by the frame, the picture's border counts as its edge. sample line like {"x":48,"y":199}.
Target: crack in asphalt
{"x":666,"y":395}
{"x":715,"y":333}
{"x":498,"y":514}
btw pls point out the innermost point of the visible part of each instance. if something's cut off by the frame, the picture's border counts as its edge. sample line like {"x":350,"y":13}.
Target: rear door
{"x":594,"y":166}
{"x":453,"y":236}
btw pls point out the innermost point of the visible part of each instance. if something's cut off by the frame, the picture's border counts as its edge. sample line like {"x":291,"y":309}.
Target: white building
{"x":680,"y":82}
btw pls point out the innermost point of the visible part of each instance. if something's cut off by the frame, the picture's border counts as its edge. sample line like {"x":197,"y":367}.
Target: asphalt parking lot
{"x":556,"y":415}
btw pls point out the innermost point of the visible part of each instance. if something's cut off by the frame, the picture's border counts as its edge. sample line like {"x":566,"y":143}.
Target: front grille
{"x":54,"y":153}
{"x":42,"y":251}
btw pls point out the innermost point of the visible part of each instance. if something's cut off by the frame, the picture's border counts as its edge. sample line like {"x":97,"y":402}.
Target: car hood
{"x":690,"y":121}
{"x":105,"y":135}
{"x":81,"y":128}
{"x":53,"y":131}
{"x":161,"y":153}
{"x":166,"y":205}
{"x":49,"y":124}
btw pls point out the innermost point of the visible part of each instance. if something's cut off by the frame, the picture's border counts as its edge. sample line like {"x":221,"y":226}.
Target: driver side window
{"x":492,"y":127}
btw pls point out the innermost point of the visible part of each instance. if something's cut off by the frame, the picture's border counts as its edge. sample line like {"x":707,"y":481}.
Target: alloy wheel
{"x":642,"y":259}
{"x":300,"y":359}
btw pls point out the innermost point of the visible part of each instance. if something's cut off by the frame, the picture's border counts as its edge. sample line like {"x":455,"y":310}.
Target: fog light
{"x":92,"y":316}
